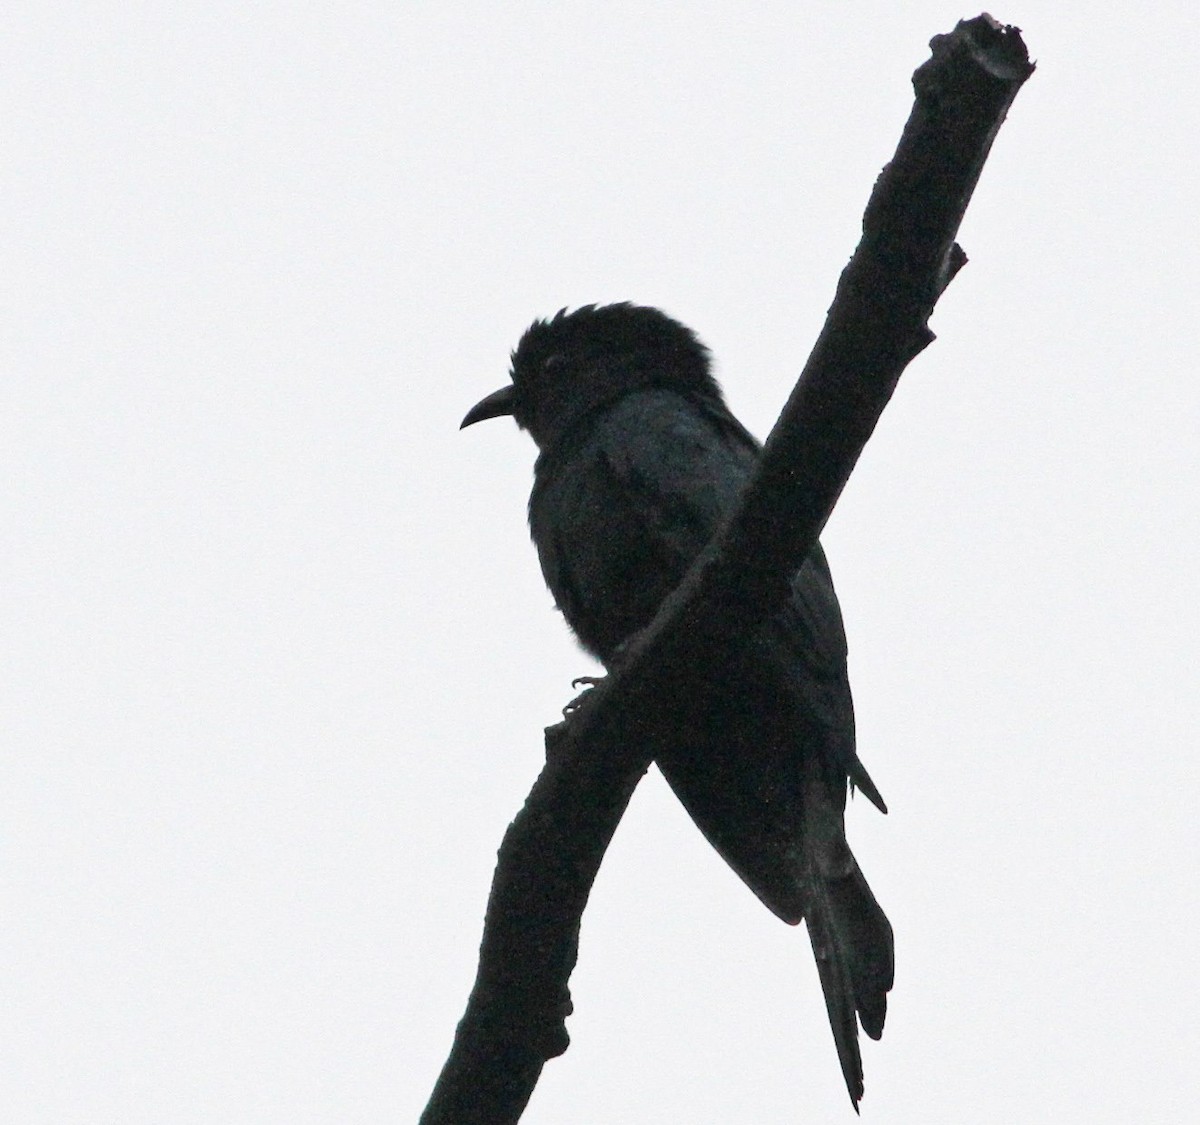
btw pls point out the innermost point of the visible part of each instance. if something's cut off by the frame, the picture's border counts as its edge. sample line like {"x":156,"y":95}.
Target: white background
{"x":276,"y":655}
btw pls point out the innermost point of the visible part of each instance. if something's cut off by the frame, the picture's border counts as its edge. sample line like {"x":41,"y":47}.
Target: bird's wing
{"x":682,"y":476}
{"x":808,"y":632}
{"x":619,"y":514}
{"x":682,"y":466}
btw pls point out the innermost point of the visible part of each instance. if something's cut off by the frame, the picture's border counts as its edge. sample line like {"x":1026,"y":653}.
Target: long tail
{"x":851,"y":936}
{"x":852,"y":942}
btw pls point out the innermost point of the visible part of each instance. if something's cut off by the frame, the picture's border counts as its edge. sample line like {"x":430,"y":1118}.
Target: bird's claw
{"x":577,"y":702}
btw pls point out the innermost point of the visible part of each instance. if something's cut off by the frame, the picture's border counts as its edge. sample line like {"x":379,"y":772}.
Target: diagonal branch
{"x":878,"y":323}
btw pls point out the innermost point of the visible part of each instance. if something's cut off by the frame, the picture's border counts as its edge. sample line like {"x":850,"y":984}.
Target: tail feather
{"x":839,"y":1002}
{"x":852,"y":942}
{"x":850,"y":934}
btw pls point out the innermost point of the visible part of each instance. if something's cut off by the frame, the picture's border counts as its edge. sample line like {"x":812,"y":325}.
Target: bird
{"x":639,"y":463}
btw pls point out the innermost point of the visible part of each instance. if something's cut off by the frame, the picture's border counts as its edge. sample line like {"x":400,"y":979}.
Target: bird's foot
{"x":578,"y":701}
{"x":558,"y":736}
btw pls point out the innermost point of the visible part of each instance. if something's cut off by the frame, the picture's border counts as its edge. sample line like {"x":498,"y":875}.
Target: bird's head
{"x":575,"y":363}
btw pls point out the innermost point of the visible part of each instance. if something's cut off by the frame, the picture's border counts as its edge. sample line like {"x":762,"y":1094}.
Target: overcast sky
{"x":275,"y":653}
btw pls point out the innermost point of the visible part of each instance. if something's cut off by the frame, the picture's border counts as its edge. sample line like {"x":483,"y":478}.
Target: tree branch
{"x":878,"y":322}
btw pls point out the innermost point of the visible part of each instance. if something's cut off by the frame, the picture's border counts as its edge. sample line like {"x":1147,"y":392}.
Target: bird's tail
{"x":851,"y":936}
{"x":852,"y":942}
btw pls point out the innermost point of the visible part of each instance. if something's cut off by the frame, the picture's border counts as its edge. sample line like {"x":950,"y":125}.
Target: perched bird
{"x":639,"y":463}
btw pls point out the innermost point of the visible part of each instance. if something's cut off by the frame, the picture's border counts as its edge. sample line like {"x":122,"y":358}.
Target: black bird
{"x":639,"y":463}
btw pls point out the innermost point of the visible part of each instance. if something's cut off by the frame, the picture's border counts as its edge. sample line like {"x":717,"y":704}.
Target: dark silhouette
{"x":640,"y":462}
{"x":514,"y":1021}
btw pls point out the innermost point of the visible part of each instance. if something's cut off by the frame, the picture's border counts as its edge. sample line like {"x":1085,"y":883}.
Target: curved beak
{"x":497,"y":403}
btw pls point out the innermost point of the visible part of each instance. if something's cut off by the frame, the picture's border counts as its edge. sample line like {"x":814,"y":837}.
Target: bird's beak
{"x":497,"y":403}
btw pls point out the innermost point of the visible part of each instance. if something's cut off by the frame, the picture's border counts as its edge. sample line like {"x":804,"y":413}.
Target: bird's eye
{"x":552,"y":363}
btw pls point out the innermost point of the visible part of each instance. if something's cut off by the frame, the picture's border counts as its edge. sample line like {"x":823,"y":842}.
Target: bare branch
{"x":878,"y":322}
